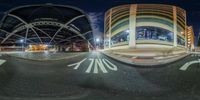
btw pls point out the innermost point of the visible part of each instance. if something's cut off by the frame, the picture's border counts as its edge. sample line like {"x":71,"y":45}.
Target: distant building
{"x":190,"y":37}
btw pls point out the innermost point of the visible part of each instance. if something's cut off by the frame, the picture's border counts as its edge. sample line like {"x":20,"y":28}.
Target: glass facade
{"x":153,"y":33}
{"x":121,"y":37}
{"x":180,"y":41}
{"x":120,"y":25}
{"x":155,"y":20}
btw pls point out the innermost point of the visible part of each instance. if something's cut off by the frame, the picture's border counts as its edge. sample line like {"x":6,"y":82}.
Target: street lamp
{"x":22,"y":41}
{"x":97,"y":42}
{"x":127,"y":31}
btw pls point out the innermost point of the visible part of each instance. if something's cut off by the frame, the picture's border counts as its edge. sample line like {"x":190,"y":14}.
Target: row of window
{"x":146,"y":33}
{"x":145,"y":19}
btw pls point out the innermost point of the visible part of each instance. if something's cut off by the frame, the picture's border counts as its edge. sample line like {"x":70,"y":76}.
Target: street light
{"x":22,"y":41}
{"x":97,"y":42}
{"x":127,"y":31}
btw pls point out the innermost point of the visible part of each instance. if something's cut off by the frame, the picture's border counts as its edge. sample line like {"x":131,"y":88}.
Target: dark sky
{"x":97,"y":8}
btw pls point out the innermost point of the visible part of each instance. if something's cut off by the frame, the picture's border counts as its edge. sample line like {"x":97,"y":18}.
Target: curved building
{"x":144,"y":25}
{"x":45,"y":24}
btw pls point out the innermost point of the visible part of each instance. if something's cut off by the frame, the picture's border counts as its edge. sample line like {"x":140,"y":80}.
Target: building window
{"x":120,"y":37}
{"x":120,"y":25}
{"x":155,"y":20}
{"x":153,"y":33}
{"x":180,"y":41}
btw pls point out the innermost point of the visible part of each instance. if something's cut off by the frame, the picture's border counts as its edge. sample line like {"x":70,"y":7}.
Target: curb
{"x":144,"y":66}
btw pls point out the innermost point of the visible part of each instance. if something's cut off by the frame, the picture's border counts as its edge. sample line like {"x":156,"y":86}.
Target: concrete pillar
{"x":186,"y":30}
{"x":110,"y":27}
{"x":132,"y":26}
{"x":175,"y":25}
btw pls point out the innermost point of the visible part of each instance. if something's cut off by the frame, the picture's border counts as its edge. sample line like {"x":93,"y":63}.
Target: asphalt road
{"x":94,"y":76}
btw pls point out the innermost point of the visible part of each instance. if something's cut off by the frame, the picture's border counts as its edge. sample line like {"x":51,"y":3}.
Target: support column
{"x":175,"y":25}
{"x":132,"y":26}
{"x":186,"y":31}
{"x":110,"y":20}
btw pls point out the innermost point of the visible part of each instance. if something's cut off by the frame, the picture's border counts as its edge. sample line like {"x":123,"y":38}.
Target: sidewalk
{"x":145,"y":60}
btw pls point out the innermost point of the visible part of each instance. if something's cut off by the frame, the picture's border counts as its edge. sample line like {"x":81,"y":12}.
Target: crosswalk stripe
{"x":2,"y":61}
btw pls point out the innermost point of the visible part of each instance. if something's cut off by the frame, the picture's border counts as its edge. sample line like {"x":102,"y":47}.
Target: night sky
{"x":97,"y":8}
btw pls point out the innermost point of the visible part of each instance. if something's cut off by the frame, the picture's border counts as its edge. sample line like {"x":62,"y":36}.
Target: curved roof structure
{"x":45,"y":24}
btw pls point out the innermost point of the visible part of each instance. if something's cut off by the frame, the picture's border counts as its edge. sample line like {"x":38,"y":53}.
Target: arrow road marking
{"x":2,"y":61}
{"x":77,"y":64}
{"x":185,"y":66}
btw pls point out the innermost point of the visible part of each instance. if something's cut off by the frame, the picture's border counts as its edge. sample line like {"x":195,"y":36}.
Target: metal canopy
{"x":45,"y":24}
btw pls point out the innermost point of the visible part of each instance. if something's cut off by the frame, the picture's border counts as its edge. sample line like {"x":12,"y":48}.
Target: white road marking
{"x":2,"y":61}
{"x":90,"y":66}
{"x":114,"y":67}
{"x":98,"y":62}
{"x":185,"y":66}
{"x":77,"y":64}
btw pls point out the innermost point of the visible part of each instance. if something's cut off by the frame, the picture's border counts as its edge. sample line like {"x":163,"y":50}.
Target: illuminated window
{"x":153,"y":33}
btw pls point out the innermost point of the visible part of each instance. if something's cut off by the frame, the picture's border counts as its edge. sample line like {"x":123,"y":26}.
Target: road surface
{"x":94,"y":76}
